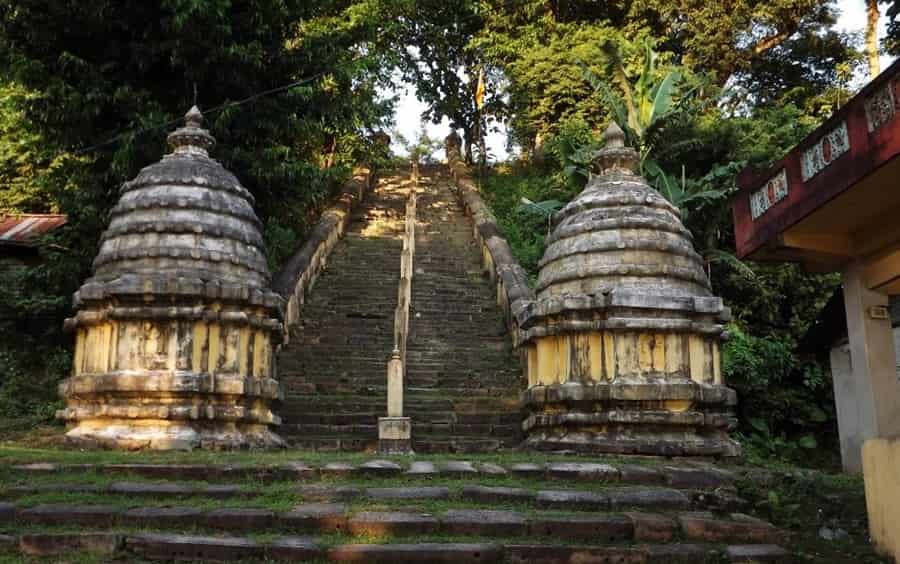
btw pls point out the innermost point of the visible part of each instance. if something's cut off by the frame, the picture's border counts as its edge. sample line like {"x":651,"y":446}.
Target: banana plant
{"x":544,"y":209}
{"x":642,"y":104}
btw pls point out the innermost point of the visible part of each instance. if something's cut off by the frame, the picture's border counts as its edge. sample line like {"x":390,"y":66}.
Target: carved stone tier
{"x":175,"y":331}
{"x":623,"y":337}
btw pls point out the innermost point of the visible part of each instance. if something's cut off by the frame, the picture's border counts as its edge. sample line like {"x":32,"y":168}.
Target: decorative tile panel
{"x":881,"y":106}
{"x":831,"y":146}
{"x":772,"y":192}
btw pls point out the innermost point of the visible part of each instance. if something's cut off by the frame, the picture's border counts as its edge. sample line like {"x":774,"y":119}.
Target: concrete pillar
{"x":868,"y":403}
{"x":395,"y":386}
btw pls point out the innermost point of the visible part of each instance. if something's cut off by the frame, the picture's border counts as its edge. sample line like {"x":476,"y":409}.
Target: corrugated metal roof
{"x":24,"y":229}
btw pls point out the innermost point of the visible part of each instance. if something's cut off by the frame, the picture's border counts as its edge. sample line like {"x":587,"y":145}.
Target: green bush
{"x":503,"y":190}
{"x":785,"y":402}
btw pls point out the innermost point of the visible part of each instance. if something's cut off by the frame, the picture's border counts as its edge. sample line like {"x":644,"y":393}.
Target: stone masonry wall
{"x":297,"y":277}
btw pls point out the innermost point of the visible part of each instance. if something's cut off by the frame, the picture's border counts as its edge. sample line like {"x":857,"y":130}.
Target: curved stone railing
{"x":514,"y":295}
{"x":299,"y":273}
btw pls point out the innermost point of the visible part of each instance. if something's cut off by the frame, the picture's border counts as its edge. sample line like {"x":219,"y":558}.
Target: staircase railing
{"x":394,"y":432}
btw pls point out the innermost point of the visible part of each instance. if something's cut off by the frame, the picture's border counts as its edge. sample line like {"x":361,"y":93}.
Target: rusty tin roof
{"x":22,"y":230}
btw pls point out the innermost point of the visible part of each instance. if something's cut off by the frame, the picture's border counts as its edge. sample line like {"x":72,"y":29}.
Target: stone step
{"x":364,"y":417}
{"x":597,"y":526}
{"x":693,"y":477}
{"x":170,"y":547}
{"x":449,"y":430}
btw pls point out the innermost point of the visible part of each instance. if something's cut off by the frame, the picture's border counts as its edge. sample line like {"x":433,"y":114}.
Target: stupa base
{"x":651,"y":417}
{"x":169,"y":435}
{"x":589,"y":442}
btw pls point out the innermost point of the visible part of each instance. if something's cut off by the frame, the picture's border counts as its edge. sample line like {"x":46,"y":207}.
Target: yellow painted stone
{"x":215,"y":347}
{"x":244,"y":350}
{"x":716,"y":364}
{"x":659,"y":353}
{"x":674,"y":354}
{"x":532,"y":365}
{"x":698,"y":358}
{"x":199,"y":344}
{"x":609,"y":356}
{"x":627,"y":363}
{"x":881,"y":459}
{"x":259,"y":351}
{"x":564,"y":365}
{"x":678,"y":406}
{"x":580,"y":357}
{"x":595,"y":343}
{"x":547,"y":363}
{"x":645,"y":353}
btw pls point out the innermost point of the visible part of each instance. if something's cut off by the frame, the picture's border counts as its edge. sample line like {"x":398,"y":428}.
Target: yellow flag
{"x":479,"y":90}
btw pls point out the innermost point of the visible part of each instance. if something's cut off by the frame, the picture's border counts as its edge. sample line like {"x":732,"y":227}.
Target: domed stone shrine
{"x":175,"y":329}
{"x":622,"y":340}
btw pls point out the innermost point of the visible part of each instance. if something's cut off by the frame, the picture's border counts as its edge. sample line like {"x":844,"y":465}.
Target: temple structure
{"x":832,"y":205}
{"x":175,"y":329}
{"x":622,"y":340}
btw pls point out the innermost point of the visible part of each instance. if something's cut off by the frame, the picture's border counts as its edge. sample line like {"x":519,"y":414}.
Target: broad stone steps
{"x":458,"y":344}
{"x":346,"y":329}
{"x":154,"y":546}
{"x":459,"y":359}
{"x":690,"y":475}
{"x":421,"y":444}
{"x":448,"y":430}
{"x":321,"y":518}
{"x":456,"y":388}
{"x":514,"y":512}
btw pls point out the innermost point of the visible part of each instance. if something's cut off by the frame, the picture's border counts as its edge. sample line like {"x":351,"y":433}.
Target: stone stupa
{"x":623,"y":337}
{"x":176,"y":328}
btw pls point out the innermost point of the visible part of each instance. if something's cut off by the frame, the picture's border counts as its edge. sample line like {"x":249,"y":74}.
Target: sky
{"x":409,"y":109}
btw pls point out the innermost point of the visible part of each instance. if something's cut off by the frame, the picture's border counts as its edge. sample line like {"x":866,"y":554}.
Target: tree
{"x":892,"y":39}
{"x":872,"y":54}
{"x":90,"y":89}
{"x":435,"y":58}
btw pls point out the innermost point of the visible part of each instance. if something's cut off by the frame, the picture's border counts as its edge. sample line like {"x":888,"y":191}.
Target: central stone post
{"x":623,"y":337}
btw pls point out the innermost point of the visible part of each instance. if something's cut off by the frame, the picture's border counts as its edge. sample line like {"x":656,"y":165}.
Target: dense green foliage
{"x":89,"y":91}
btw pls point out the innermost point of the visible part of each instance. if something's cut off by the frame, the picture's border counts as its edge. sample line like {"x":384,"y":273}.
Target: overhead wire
{"x":209,"y":112}
{"x":123,"y":134}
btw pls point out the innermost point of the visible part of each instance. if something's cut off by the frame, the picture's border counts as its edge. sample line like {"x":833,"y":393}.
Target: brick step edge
{"x":613,"y":498}
{"x":335,"y":518}
{"x":287,"y":549}
{"x":679,"y":477}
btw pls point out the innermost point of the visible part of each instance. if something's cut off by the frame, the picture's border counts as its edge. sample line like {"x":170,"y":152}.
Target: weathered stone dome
{"x":623,"y":337}
{"x":620,"y":234}
{"x":185,"y":216}
{"x":177,"y":328}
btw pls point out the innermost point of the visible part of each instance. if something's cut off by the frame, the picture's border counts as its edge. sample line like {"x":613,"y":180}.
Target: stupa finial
{"x":193,"y":118}
{"x":614,"y":137}
{"x":192,"y":139}
{"x":616,"y":154}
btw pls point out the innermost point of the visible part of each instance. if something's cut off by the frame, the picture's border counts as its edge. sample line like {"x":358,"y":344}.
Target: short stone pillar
{"x":453,"y":146}
{"x":175,"y":329}
{"x":395,"y":430}
{"x":623,"y":337}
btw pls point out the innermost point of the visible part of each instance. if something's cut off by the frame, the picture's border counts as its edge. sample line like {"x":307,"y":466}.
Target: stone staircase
{"x":462,"y":383}
{"x":459,"y":351}
{"x":333,"y":370}
{"x":362,"y":510}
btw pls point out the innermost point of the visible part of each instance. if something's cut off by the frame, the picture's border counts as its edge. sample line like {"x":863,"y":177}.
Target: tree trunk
{"x":467,"y":144}
{"x":872,"y":38}
{"x":332,"y":149}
